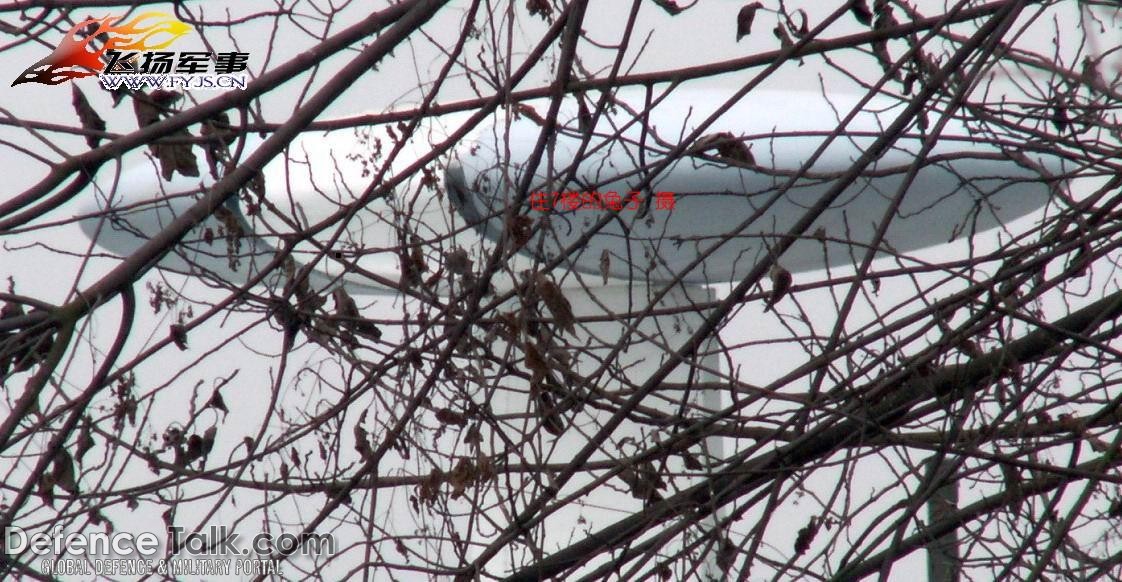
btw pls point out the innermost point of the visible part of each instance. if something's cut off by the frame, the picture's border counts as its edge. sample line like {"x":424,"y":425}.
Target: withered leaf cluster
{"x":192,"y":448}
{"x":88,"y":117}
{"x":728,"y":146}
{"x":644,"y":481}
{"x":466,"y":473}
{"x":540,"y":8}
{"x":62,"y":474}
{"x":173,"y":157}
{"x":555,"y":300}
{"x":349,"y":321}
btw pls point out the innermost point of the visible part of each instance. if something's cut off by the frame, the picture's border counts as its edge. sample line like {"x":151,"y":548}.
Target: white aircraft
{"x":963,"y":187}
{"x":731,"y":201}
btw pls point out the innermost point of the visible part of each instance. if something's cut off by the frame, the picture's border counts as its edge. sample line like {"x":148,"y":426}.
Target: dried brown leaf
{"x":535,"y":359}
{"x":970,"y":348}
{"x":461,"y":477}
{"x":347,"y":310}
{"x":547,"y":410}
{"x":1059,"y":118}
{"x":644,"y":482}
{"x":690,"y":461}
{"x":97,"y":518}
{"x":178,"y":334}
{"x":519,"y":228}
{"x":429,"y":488}
{"x":449,"y":416}
{"x":728,"y":146}
{"x":85,"y":441}
{"x":860,"y":11}
{"x":45,"y":488}
{"x":173,"y":157}
{"x":217,"y":402}
{"x":540,"y":8}
{"x":805,"y":536}
{"x":726,"y":554}
{"x":345,"y":306}
{"x":531,"y":113}
{"x":670,"y":6}
{"x":89,"y":118}
{"x":208,"y":439}
{"x":744,"y":19}
{"x":177,"y":157}
{"x":417,"y":257}
{"x":584,"y":116}
{"x":145,"y":110}
{"x":558,"y":305}
{"x":63,"y":473}
{"x":216,"y":149}
{"x":458,"y":262}
{"x":605,"y":265}
{"x":735,"y":150}
{"x":780,"y":284}
{"x":362,"y":438}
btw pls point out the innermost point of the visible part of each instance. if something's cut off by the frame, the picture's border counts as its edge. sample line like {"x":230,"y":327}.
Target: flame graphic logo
{"x":77,"y":57}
